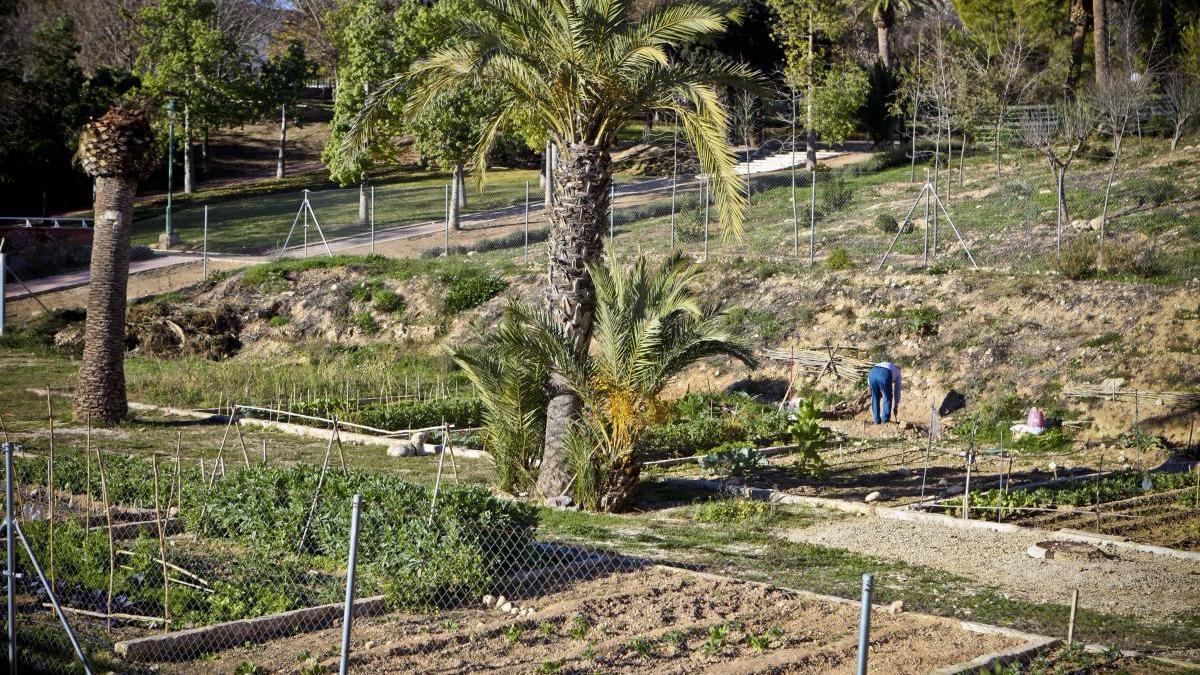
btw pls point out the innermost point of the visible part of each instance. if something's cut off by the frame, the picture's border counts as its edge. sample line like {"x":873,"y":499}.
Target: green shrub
{"x":365,"y":322}
{"x":389,"y":302}
{"x":454,"y":558}
{"x":839,"y":259}
{"x":734,"y":511}
{"x":1076,"y":260}
{"x":732,"y":459}
{"x":468,"y":288}
{"x":836,"y":193}
{"x":419,"y":414}
{"x":1132,"y":258}
{"x":278,"y":321}
{"x":1143,"y":191}
{"x":886,"y":222}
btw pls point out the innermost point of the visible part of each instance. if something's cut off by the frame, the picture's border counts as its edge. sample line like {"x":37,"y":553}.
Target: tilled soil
{"x":1131,"y":583}
{"x":1159,"y":519}
{"x":650,"y":620}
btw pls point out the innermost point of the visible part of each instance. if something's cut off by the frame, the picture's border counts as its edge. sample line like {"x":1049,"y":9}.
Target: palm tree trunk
{"x":1100,"y":38}
{"x":460,"y":178}
{"x":881,"y":36}
{"x":100,"y":388}
{"x":1079,"y":21}
{"x":578,"y":214}
{"x":362,"y":199}
{"x":281,"y":164}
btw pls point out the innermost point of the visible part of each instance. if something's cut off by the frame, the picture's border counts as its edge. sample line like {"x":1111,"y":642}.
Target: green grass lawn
{"x":257,"y":219}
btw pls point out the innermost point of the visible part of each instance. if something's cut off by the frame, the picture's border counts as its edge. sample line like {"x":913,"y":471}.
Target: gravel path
{"x":1130,"y":583}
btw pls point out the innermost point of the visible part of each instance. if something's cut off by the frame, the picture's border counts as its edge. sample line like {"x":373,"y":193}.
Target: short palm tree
{"x":650,"y":326}
{"x":116,"y":150}
{"x":580,"y":69}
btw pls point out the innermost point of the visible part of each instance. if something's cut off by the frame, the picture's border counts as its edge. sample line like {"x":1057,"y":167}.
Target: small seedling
{"x":579,"y":627}
{"x":249,"y":668}
{"x":450,"y":624}
{"x":512,"y":633}
{"x":641,"y":647}
{"x":716,"y":639}
{"x":674,"y":637}
{"x":547,"y":629}
{"x":762,"y":641}
{"x":551,"y":665}
{"x":304,"y":655}
{"x":589,"y":652}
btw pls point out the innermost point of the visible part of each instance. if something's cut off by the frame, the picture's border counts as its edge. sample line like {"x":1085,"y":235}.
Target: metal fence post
{"x":372,"y":212}
{"x":10,"y":568}
{"x":446,"y":212}
{"x":812,"y":219}
{"x":527,"y":222}
{"x":205,"y":244}
{"x":306,"y":208}
{"x":864,"y":622}
{"x":3,"y":289}
{"x":348,"y":612}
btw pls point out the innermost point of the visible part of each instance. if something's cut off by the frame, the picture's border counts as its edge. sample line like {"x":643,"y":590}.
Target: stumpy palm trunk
{"x":114,"y":150}
{"x":281,"y":162}
{"x":578,"y":216}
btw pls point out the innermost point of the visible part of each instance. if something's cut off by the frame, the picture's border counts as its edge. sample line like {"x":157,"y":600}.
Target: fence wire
{"x":833,"y":219}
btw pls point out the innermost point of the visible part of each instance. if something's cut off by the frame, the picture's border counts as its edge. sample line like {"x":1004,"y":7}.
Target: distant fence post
{"x":10,"y":568}
{"x":446,"y":213}
{"x":527,"y":222}
{"x":372,"y":217}
{"x":348,"y":611}
{"x":864,"y":622}
{"x":204,"y":254}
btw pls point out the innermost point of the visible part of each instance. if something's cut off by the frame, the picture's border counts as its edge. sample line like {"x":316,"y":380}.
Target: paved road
{"x":60,"y":282}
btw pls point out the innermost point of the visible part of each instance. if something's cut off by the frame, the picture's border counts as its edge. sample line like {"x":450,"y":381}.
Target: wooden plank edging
{"x":184,"y":644}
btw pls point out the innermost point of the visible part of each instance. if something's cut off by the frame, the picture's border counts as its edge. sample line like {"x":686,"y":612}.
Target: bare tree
{"x":1117,"y":102}
{"x":1001,"y":70}
{"x":107,"y":28}
{"x":1181,"y":102}
{"x":1059,"y":137}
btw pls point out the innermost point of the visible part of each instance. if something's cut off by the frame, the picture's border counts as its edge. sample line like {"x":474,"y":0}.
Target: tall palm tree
{"x":116,"y":150}
{"x":1100,"y":39}
{"x":883,"y":15}
{"x":650,"y":325}
{"x":581,"y":69}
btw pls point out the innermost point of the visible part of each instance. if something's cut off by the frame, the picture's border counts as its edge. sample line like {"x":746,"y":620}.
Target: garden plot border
{"x":187,"y":643}
{"x":285,"y":427}
{"x":891,"y":513}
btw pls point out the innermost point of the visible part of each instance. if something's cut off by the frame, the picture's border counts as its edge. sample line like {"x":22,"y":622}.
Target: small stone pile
{"x":506,"y":606}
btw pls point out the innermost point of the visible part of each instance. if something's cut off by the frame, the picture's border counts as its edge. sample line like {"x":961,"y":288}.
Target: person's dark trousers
{"x":880,"y":382}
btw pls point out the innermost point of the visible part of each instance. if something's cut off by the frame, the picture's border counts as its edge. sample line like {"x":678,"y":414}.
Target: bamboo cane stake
{"x":220,"y":451}
{"x":110,"y":615}
{"x":241,"y":440}
{"x":337,"y":436}
{"x":312,"y":509}
{"x":447,"y":448}
{"x":171,"y":565}
{"x":112,"y":557}
{"x":162,"y":548}
{"x":4,"y":429}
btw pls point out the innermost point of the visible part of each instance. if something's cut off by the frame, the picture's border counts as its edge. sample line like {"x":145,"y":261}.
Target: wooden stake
{"x":4,"y":429}
{"x":264,"y":452}
{"x":316,"y":496}
{"x":447,"y":448}
{"x":437,"y":483}
{"x":112,"y":557}
{"x":337,"y":436}
{"x":220,"y":451}
{"x":241,"y":440}
{"x":1071,"y":623}
{"x":162,"y":548}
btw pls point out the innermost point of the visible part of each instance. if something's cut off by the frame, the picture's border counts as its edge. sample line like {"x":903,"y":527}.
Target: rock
{"x":954,"y":490}
{"x":506,"y":607}
{"x":873,"y":497}
{"x":401,"y":450}
{"x":896,"y":607}
{"x":369,"y":644}
{"x":500,"y":600}
{"x":952,"y":402}
{"x":417,"y":440}
{"x":560,"y":502}
{"x":489,"y":601}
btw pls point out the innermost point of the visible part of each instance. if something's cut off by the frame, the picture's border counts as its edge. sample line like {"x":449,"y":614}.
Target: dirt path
{"x":1141,"y":584}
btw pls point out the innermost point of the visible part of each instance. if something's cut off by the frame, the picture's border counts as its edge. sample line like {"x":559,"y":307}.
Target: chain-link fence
{"x":1001,"y":219}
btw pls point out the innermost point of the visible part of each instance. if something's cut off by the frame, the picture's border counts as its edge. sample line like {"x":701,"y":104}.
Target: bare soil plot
{"x":651,"y":620}
{"x":1128,"y":583}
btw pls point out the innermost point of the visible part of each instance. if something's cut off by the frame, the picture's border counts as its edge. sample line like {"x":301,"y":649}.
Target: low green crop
{"x":1077,"y":493}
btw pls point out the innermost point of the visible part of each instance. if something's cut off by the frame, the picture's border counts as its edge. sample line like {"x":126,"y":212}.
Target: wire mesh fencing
{"x":934,"y":215}
{"x":169,"y":561}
